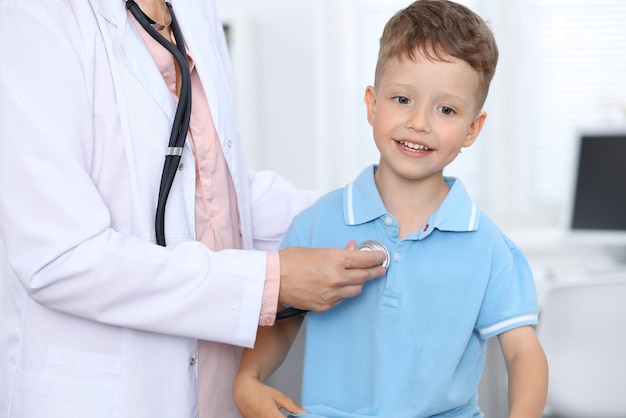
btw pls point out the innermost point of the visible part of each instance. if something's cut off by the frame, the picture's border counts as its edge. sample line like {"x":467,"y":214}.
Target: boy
{"x":412,"y":344}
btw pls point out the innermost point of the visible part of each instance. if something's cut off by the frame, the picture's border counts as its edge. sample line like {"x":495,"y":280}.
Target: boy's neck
{"x":411,"y":202}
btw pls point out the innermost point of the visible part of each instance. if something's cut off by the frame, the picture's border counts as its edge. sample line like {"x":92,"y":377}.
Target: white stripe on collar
{"x":472,"y":222}
{"x":350,"y":205}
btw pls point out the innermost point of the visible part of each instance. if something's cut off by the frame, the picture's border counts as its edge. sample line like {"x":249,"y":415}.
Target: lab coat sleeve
{"x":269,"y":219}
{"x":56,"y":230}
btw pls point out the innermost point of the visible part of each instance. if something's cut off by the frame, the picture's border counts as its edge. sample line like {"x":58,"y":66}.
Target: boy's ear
{"x":475,"y":128}
{"x":370,"y":104}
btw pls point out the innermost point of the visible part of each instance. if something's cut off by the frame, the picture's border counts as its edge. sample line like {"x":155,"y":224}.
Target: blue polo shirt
{"x":412,"y":344}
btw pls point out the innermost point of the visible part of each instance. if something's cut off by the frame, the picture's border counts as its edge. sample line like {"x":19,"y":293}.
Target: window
{"x":575,"y":61}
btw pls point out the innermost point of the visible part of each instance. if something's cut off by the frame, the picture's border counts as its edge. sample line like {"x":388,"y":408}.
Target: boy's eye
{"x":446,"y":110}
{"x":402,"y":100}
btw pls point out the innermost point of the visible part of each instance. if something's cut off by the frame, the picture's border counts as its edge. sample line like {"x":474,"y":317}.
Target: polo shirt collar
{"x":362,"y":203}
{"x":457,"y":212}
{"x":361,"y":200}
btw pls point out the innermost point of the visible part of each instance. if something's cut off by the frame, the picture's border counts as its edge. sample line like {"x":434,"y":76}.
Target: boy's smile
{"x":414,"y":147}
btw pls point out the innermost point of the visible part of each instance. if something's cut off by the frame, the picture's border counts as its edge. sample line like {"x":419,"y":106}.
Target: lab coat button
{"x":229,"y":143}
{"x":192,"y":361}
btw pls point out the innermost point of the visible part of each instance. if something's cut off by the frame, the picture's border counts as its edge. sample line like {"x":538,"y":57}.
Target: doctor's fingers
{"x":348,"y":277}
{"x":354,"y":279}
{"x":341,"y":284}
{"x":366,"y":260}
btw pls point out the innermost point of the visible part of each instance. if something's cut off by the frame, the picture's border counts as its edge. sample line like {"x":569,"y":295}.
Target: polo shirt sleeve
{"x":510,"y":299}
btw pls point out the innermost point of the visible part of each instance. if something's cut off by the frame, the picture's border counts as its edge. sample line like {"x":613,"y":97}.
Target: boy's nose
{"x":419,"y":120}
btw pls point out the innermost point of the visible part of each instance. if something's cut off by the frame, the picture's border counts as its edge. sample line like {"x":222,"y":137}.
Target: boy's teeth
{"x":414,"y":146}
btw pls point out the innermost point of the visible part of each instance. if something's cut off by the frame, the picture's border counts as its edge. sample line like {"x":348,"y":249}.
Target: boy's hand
{"x":255,"y":399}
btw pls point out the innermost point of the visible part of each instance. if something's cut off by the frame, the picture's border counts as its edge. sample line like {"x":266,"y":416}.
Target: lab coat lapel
{"x":132,"y":52}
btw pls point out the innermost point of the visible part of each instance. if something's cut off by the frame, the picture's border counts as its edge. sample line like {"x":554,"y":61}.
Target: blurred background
{"x":301,"y":68}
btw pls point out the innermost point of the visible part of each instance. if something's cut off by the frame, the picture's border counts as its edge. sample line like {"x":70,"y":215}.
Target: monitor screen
{"x":598,"y":201}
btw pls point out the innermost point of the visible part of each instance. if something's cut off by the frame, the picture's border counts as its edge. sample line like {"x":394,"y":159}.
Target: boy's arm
{"x":528,"y":372}
{"x":253,"y":398}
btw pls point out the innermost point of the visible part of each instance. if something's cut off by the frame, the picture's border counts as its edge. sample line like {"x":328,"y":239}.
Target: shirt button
{"x":229,"y":143}
{"x":192,"y":361}
{"x":181,"y":166}
{"x":388,"y":221}
{"x":396,"y":257}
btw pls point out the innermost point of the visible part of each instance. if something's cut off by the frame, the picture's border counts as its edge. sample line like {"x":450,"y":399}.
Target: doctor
{"x":96,"y":320}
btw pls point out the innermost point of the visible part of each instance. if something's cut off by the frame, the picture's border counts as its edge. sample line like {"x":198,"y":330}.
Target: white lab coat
{"x":97,"y":320}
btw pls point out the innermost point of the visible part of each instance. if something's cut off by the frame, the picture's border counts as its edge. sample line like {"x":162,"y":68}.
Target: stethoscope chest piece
{"x":373,"y":245}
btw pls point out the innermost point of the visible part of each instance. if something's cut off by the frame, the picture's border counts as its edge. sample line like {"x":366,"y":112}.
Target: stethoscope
{"x":180,"y":125}
{"x":368,"y":245}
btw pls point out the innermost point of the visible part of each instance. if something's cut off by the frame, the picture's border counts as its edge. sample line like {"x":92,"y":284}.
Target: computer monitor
{"x":597,"y":209}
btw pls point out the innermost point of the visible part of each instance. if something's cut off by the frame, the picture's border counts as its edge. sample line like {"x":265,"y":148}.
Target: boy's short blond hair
{"x":439,"y":29}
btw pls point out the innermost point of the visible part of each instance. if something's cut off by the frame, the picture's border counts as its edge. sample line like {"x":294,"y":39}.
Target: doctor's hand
{"x":317,"y":279}
{"x":255,"y":399}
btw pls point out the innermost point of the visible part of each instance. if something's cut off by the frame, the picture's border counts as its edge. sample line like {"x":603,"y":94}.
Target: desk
{"x":568,"y":263}
{"x":552,"y":256}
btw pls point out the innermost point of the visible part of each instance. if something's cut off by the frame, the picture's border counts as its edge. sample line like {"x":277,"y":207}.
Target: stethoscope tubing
{"x":290,"y":312}
{"x":180,"y":125}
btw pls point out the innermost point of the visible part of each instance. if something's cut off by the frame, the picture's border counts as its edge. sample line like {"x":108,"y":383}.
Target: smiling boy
{"x":412,"y":344}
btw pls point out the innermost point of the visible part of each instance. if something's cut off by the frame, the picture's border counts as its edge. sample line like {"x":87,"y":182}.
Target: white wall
{"x":273,"y":74}
{"x":298,"y":99}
